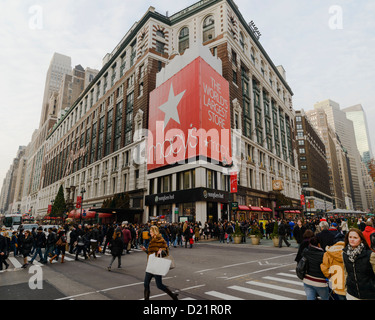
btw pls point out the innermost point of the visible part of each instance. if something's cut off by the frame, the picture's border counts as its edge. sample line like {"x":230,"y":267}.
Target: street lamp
{"x":83,"y":190}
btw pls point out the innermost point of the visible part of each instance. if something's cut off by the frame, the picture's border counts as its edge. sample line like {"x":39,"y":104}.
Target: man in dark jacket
{"x":3,"y":250}
{"x":73,"y":239}
{"x":40,"y":242}
{"x":94,"y":238}
{"x":326,"y":238}
{"x":282,"y":230}
{"x":298,"y":231}
{"x":50,"y":245}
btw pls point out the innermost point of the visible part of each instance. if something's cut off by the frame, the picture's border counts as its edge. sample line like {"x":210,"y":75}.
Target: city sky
{"x":326,"y":47}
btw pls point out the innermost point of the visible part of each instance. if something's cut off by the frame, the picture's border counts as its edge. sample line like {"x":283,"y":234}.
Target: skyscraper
{"x":344,"y":128}
{"x":59,"y":65}
{"x":362,"y":137}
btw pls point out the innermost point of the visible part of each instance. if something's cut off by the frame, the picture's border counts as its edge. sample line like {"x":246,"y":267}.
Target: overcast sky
{"x":326,"y":47}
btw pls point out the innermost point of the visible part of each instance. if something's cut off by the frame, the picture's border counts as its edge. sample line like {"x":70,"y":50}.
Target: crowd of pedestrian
{"x":340,"y":259}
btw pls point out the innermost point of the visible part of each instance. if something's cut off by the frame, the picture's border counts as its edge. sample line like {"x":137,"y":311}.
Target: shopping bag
{"x":157,"y":265}
{"x":173,"y":264}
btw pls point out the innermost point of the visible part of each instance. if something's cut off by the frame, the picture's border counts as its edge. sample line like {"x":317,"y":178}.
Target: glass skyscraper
{"x":358,"y":116}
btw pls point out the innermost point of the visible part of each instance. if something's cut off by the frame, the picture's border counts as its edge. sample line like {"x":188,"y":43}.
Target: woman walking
{"x":27,"y":245}
{"x":359,"y":265}
{"x":60,"y":246}
{"x":116,"y":246}
{"x":157,"y":245}
{"x":315,"y":282}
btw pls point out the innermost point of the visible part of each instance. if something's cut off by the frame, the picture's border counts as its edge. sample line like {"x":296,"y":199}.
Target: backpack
{"x":302,"y":267}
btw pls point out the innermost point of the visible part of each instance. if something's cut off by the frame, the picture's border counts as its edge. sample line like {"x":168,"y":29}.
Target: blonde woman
{"x":157,"y":245}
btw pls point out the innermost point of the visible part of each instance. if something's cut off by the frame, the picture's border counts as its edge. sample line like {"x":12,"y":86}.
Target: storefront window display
{"x":187,"y":210}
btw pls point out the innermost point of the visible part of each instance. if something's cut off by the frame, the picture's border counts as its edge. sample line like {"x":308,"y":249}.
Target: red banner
{"x":190,"y":116}
{"x":49,"y":210}
{"x":302,"y":200}
{"x":79,"y":202}
{"x":233,"y":182}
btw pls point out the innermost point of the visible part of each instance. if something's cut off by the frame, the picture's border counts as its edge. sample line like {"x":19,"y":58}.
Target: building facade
{"x":362,"y":136}
{"x":313,"y":166}
{"x":94,"y":148}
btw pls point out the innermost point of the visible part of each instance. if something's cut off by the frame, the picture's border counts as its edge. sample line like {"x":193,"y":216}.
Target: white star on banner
{"x":170,"y":107}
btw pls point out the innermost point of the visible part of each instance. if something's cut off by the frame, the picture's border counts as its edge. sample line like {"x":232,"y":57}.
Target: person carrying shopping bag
{"x":157,"y":245}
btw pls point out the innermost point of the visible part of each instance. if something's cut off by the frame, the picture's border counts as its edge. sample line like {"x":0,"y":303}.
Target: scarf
{"x":353,"y":253}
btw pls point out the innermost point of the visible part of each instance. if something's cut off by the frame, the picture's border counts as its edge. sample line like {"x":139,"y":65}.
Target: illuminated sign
{"x":189,"y":116}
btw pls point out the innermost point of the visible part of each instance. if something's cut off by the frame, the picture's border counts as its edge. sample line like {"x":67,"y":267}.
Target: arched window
{"x":208,"y":28}
{"x":160,"y":33}
{"x":183,"y":40}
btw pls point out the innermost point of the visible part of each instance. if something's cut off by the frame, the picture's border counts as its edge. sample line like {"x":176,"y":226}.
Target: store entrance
{"x":212,"y":214}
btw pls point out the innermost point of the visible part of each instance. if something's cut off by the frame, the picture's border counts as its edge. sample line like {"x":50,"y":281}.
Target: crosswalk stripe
{"x":298,"y":283}
{"x":260,"y":293}
{"x":291,"y":275}
{"x":271,"y":286}
{"x":15,"y":262}
{"x":223,"y":296}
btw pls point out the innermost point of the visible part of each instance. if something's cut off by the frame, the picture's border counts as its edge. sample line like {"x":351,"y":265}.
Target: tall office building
{"x":344,"y":129}
{"x":362,"y":136}
{"x":313,"y":165}
{"x":339,"y":181}
{"x":59,"y":66}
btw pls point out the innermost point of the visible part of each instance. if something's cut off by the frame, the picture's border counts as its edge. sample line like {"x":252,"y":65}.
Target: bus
{"x":12,"y":220}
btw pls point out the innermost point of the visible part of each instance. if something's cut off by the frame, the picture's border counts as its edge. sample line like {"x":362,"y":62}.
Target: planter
{"x":237,"y":239}
{"x":254,"y":239}
{"x":275,"y":242}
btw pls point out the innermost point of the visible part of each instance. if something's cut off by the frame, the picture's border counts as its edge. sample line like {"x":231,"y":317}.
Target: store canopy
{"x":243,"y":208}
{"x":266,"y":209}
{"x":255,"y":208}
{"x":76,"y":214}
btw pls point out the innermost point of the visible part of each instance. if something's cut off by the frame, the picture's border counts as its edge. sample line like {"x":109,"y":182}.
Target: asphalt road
{"x":208,"y":271}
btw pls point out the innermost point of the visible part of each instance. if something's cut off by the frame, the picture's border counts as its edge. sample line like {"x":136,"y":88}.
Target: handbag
{"x":157,"y":265}
{"x":301,"y":268}
{"x":59,"y":242}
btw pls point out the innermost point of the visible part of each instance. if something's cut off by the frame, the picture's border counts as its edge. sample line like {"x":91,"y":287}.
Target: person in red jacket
{"x":369,"y":229}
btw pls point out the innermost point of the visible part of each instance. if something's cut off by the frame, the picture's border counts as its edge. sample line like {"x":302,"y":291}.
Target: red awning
{"x":266,"y":209}
{"x":75,"y":214}
{"x":89,"y":215}
{"x":255,"y":208}
{"x":297,"y":211}
{"x":243,"y":208}
{"x":105,"y":215}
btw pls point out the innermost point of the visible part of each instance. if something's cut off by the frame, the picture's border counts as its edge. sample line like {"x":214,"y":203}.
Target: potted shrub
{"x":237,"y":235}
{"x":275,"y":234}
{"x":255,"y":234}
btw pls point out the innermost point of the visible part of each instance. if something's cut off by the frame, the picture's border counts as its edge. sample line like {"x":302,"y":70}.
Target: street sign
{"x":234,"y":205}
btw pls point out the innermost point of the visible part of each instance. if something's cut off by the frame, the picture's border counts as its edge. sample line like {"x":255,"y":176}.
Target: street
{"x":208,"y":271}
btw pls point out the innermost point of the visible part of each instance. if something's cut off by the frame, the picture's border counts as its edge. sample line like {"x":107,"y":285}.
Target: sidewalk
{"x":263,"y":242}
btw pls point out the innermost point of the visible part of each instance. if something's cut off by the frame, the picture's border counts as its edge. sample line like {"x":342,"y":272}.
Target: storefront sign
{"x":190,"y":195}
{"x":189,"y":116}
